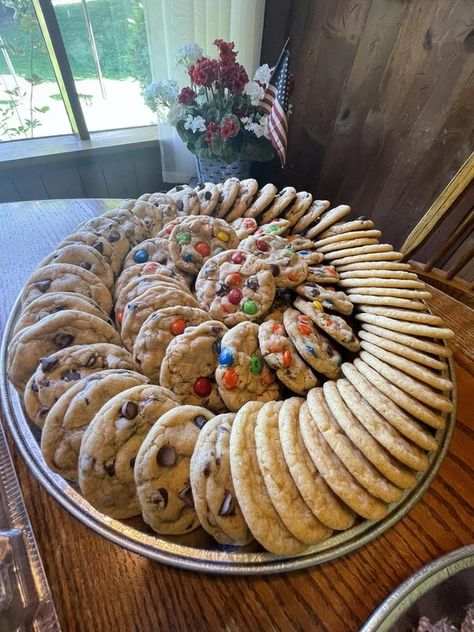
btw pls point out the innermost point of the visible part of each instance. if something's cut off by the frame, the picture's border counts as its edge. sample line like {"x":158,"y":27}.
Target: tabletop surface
{"x":99,"y":587}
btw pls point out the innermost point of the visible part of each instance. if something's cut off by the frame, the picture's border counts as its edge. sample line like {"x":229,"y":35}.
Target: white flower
{"x":176,"y":113}
{"x":195,"y":123}
{"x":259,"y":127}
{"x":263,"y":73}
{"x":254,"y":91}
{"x":188,"y":54}
{"x":161,"y":93}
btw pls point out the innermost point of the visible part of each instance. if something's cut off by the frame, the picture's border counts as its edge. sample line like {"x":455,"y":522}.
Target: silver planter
{"x":210,"y":170}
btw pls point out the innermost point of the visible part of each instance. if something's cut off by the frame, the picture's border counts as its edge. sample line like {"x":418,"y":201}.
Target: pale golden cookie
{"x":257,"y":507}
{"x":384,"y":434}
{"x":413,"y":387}
{"x":402,"y":350}
{"x":283,"y":492}
{"x":316,"y":209}
{"x":335,"y":473}
{"x":367,"y":461}
{"x":400,"y":397}
{"x":327,"y":219}
{"x":314,"y":490}
{"x":407,"y":425}
{"x":349,"y":236}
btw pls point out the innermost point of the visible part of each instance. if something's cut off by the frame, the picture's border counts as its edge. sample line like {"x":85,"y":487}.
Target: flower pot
{"x":210,"y":170}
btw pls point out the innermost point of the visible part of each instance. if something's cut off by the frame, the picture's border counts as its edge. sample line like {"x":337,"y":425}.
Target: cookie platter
{"x":235,"y":305}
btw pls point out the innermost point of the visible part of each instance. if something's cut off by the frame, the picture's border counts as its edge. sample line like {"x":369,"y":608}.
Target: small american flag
{"x":275,"y":104}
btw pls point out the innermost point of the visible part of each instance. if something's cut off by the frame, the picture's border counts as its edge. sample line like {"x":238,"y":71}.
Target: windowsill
{"x":28,"y":152}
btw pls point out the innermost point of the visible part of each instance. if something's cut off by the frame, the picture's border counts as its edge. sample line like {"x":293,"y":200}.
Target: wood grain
{"x":383,"y":102}
{"x":97,"y":586}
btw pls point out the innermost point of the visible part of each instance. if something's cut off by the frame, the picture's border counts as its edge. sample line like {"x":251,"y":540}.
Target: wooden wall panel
{"x":383,"y":104}
{"x":111,"y":173}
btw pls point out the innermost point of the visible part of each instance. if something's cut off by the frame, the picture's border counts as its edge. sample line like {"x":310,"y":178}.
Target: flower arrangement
{"x":217,"y":116}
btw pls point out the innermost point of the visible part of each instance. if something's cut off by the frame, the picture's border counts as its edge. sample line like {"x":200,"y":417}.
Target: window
{"x":30,"y":101}
{"x":80,"y":66}
{"x":106,"y":44}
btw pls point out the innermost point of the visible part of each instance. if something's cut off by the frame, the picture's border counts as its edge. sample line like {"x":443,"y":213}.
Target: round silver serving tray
{"x":198,"y":551}
{"x":440,"y":589}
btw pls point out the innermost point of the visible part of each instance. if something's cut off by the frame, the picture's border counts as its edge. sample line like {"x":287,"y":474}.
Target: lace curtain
{"x":172,"y":23}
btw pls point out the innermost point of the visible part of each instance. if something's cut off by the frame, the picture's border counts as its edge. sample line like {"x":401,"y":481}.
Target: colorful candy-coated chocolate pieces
{"x":287,"y":358}
{"x":202,"y":248}
{"x":168,"y":228}
{"x":238,"y":257}
{"x":250,"y":307}
{"x":303,"y":252}
{"x":274,"y":347}
{"x":226,"y":357}
{"x":150,"y":267}
{"x":234,"y":280}
{"x":305,"y":330}
{"x":183,"y":238}
{"x":202,"y":387}
{"x":119,"y":318}
{"x":234,"y":296}
{"x":262,"y":245}
{"x":216,"y":345}
{"x":317,"y":305}
{"x":178,"y":326}
{"x":188,"y":258}
{"x":256,"y":364}
{"x":230,"y":379}
{"x":278,"y":329}
{"x":267,"y":378}
{"x":288,"y":251}
{"x":141,"y":256}
{"x":311,"y":350}
{"x":222,"y":236}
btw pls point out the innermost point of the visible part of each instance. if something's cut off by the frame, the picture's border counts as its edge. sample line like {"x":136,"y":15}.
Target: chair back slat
{"x":458,"y":234}
{"x":462,"y":261}
{"x":440,"y":208}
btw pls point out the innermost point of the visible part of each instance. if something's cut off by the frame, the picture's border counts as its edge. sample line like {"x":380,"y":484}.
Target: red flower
{"x":226,"y":50}
{"x":187,"y":96}
{"x":230,"y":127}
{"x":212,"y":128}
{"x":204,"y":72}
{"x":234,"y":77}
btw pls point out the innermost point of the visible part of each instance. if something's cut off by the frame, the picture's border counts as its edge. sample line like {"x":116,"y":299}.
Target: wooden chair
{"x":456,"y":251}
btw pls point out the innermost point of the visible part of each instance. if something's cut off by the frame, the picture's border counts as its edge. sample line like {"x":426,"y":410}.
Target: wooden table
{"x":99,"y":587}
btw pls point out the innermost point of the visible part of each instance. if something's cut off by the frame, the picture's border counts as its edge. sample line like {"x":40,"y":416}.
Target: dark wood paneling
{"x":116,"y":173}
{"x":383,"y":104}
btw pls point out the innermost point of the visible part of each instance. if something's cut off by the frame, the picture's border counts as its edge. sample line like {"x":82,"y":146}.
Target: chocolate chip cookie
{"x":57,"y":302}
{"x":214,"y":496}
{"x":54,"y":332}
{"x":110,"y":445}
{"x":59,"y":371}
{"x":65,"y":277}
{"x":70,"y":416}
{"x":162,"y":472}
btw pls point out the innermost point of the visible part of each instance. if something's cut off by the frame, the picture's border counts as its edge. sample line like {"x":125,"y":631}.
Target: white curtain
{"x":172,"y":23}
